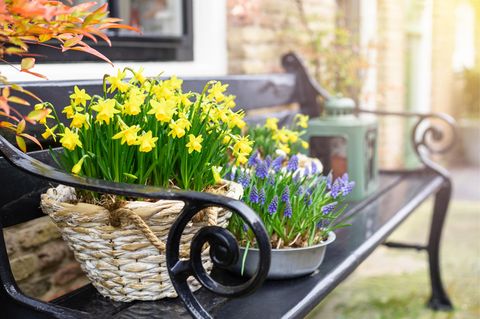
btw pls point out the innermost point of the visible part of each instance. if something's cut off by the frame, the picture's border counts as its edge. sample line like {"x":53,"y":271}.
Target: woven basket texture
{"x":123,"y":252}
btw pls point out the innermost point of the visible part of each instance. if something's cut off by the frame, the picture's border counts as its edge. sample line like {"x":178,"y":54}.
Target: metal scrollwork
{"x":433,"y":133}
{"x":224,"y":252}
{"x":428,"y":137}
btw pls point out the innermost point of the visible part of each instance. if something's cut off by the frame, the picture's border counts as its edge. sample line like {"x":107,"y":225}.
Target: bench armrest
{"x":432,"y":133}
{"x":224,"y":248}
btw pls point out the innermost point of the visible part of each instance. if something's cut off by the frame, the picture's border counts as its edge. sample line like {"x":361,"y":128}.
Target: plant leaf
{"x":32,"y":138}
{"x":21,"y":143}
{"x":27,"y":63}
{"x":16,"y":99}
{"x":21,"y":126}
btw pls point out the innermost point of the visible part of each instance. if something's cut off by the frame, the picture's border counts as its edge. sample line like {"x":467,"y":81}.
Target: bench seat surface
{"x":372,"y":221}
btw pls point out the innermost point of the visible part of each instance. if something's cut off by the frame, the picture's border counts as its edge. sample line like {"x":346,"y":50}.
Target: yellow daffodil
{"x":162,"y":91}
{"x":78,"y":120}
{"x":229,"y":101}
{"x":177,"y":129}
{"x":184,"y":122}
{"x":70,"y":140}
{"x":163,"y":109}
{"x":128,"y":135}
{"x":272,"y":123}
{"x":280,"y":135}
{"x":194,"y":143}
{"x":138,"y":76}
{"x":69,"y":111}
{"x":236,"y":120}
{"x":106,"y":110}
{"x":78,"y":166}
{"x":292,"y":136}
{"x":49,"y":132}
{"x":117,"y":83}
{"x":173,"y":83}
{"x":216,"y":174}
{"x":284,"y":148}
{"x":243,"y":146}
{"x":146,"y":142}
{"x":79,"y":97}
{"x":46,"y":115}
{"x":184,"y":99}
{"x":226,"y":139}
{"x":305,"y":145}
{"x":241,"y":159}
{"x":135,"y":100}
{"x":302,"y":120}
{"x":216,"y":92}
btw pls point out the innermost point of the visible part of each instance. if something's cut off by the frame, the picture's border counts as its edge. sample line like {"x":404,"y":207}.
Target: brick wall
{"x":41,"y":262}
{"x":259,"y":32}
{"x":390,"y":84}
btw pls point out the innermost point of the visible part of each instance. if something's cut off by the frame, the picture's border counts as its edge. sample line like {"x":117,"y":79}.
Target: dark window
{"x":167,"y":33}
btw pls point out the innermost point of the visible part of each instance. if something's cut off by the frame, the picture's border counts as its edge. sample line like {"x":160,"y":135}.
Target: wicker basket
{"x":122,"y":252}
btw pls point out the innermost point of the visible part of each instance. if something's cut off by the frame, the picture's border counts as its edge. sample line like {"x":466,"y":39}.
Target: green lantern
{"x":346,"y":143}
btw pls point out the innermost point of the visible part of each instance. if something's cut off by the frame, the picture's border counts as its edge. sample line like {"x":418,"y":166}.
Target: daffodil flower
{"x":173,"y":83}
{"x":117,"y":83}
{"x":194,"y":143}
{"x":79,"y":97}
{"x":70,"y":140}
{"x":302,"y":120}
{"x":146,"y":142}
{"x":216,"y":92}
{"x":106,"y":110}
{"x":162,"y":91}
{"x":163,"y":109}
{"x":49,"y":132}
{"x":305,"y":145}
{"x":78,"y":166}
{"x":243,"y":146}
{"x":177,"y":130}
{"x":78,"y":120}
{"x":128,"y":135}
{"x":272,"y":123}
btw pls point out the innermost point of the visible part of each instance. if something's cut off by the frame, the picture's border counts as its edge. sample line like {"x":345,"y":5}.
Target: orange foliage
{"x":27,"y":22}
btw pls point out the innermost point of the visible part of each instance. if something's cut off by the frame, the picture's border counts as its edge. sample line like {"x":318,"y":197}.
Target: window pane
{"x":75,"y":2}
{"x":152,"y":17}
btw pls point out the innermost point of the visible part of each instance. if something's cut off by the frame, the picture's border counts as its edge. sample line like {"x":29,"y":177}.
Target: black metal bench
{"x":372,"y":219}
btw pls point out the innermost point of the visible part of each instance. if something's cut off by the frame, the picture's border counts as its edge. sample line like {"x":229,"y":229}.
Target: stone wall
{"x":41,"y":262}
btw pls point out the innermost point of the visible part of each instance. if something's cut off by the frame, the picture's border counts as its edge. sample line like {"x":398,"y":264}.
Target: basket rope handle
{"x":139,"y":223}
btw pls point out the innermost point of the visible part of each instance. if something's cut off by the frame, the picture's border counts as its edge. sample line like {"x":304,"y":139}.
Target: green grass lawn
{"x":394,"y":284}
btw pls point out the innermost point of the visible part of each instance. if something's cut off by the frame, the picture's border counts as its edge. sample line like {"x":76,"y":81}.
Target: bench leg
{"x":439,"y":299}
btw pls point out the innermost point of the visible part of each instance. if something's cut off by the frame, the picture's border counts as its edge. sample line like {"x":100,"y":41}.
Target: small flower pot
{"x":286,"y":263}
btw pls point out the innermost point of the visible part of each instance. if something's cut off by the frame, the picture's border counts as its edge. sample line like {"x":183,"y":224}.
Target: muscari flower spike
{"x":336,"y":189}
{"x":288,"y":210}
{"x":347,"y":186}
{"x":254,"y":195}
{"x":292,"y":165}
{"x":314,"y":168}
{"x":253,"y":160}
{"x":244,"y":179}
{"x":277,"y":163}
{"x":272,"y":208}
{"x":285,"y":194}
{"x":306,"y":171}
{"x":262,"y":170}
{"x":327,"y":209}
{"x":268,"y":161}
{"x":261,"y":196}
